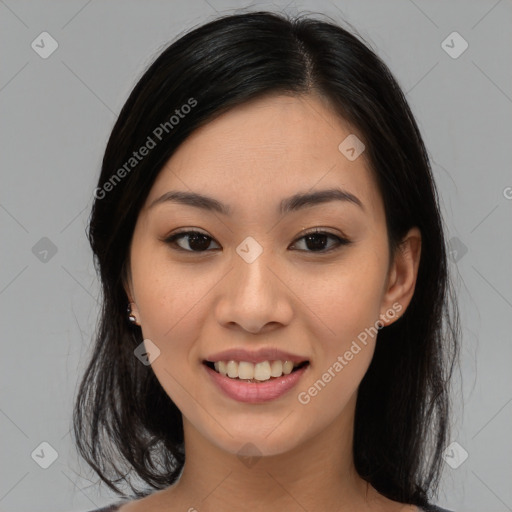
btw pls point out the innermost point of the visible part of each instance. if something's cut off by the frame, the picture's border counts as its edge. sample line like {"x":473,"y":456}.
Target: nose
{"x":254,"y":296}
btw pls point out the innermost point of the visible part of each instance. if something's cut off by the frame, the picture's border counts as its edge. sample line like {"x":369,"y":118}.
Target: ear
{"x":402,"y":277}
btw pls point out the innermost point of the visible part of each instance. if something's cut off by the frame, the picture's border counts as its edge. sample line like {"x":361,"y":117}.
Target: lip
{"x":256,"y":356}
{"x":255,"y":392}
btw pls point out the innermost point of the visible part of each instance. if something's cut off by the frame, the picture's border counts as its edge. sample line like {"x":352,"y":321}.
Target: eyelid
{"x":321,"y":230}
{"x":341,"y":239}
{"x":186,"y":231}
{"x":304,"y":232}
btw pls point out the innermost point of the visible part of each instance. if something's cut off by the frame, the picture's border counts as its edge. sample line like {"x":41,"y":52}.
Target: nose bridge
{"x":253,"y":296}
{"x":251,"y":269}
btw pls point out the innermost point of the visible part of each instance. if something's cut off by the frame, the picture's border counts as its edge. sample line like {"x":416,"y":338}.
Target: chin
{"x":256,"y":441}
{"x":258,"y":446}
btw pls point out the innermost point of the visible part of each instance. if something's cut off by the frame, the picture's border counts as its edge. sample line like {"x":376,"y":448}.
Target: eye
{"x":198,"y":242}
{"x":316,"y":240}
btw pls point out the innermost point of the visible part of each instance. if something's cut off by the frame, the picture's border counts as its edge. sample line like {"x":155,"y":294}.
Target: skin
{"x":191,"y":304}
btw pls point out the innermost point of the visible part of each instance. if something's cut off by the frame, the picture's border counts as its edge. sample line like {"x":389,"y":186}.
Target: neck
{"x":317,"y":475}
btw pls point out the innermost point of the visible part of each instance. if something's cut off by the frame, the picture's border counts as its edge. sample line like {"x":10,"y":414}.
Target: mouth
{"x":262,"y":371}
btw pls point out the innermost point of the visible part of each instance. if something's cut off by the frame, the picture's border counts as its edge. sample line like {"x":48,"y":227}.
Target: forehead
{"x":266,"y":149}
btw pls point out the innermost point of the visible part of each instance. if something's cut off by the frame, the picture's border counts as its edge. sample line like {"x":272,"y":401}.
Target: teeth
{"x":232,"y":369}
{"x":261,"y":371}
{"x":276,"y":369}
{"x":245,"y":370}
{"x":287,"y":367}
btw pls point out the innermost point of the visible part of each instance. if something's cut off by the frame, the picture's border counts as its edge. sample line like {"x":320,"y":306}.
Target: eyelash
{"x":340,"y":241}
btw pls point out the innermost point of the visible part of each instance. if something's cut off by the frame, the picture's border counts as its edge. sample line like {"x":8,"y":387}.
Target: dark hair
{"x":124,"y":422}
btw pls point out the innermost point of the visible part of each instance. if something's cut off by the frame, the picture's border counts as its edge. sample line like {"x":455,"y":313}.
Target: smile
{"x":243,"y":386}
{"x":255,"y":372}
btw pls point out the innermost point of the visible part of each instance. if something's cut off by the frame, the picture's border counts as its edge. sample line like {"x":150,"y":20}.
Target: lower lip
{"x":256,"y":392}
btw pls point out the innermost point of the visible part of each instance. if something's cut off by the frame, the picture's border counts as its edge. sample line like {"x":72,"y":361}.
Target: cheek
{"x":173,"y":305}
{"x":166,"y":293}
{"x":349,"y":307}
{"x":349,"y":300}
{"x":171,"y":312}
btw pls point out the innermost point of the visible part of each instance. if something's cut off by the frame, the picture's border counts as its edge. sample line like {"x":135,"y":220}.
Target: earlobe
{"x":133,"y":313}
{"x":402,"y":277}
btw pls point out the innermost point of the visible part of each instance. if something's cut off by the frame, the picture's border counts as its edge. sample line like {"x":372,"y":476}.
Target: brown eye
{"x":317,"y":240}
{"x":197,"y":241}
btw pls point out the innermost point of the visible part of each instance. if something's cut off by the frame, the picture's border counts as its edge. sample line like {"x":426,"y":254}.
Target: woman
{"x":276,"y":331}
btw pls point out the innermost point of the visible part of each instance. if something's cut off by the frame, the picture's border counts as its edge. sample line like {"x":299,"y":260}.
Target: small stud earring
{"x":131,"y":317}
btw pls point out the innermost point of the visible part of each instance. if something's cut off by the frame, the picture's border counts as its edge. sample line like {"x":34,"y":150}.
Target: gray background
{"x":56,"y":114}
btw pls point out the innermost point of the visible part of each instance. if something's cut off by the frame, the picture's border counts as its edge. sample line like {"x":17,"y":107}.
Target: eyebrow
{"x":287,"y":205}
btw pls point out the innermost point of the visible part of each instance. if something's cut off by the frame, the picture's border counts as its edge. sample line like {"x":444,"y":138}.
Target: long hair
{"x":125,"y":425}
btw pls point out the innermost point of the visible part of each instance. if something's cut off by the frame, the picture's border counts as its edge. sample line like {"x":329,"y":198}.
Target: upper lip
{"x":255,"y":356}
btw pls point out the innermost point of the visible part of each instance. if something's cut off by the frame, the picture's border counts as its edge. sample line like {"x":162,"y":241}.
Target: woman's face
{"x":255,"y":281}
